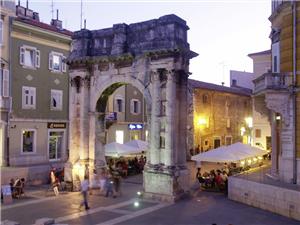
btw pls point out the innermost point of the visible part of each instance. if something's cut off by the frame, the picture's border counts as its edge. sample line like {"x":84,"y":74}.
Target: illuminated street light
{"x":249,"y":122}
{"x":243,"y":130}
{"x":136,"y":204}
{"x":201,"y":121}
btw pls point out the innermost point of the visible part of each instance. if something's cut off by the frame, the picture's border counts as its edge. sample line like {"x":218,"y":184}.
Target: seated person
{"x":18,"y":187}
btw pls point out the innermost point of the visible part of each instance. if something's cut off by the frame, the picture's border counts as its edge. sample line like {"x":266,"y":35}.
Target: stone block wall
{"x":268,"y":197}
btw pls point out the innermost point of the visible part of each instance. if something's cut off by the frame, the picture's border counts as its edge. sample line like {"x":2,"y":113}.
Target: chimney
{"x":26,"y":4}
{"x":19,"y":3}
{"x":84,"y":23}
{"x":56,"y":22}
{"x":222,"y":83}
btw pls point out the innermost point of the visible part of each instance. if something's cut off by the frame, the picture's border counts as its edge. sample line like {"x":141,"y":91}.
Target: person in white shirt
{"x":84,"y":191}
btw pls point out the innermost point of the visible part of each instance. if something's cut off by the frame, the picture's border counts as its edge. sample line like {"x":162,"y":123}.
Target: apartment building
{"x":38,"y":129}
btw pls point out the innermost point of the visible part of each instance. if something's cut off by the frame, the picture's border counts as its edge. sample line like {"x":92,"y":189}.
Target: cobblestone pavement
{"x":202,"y":208}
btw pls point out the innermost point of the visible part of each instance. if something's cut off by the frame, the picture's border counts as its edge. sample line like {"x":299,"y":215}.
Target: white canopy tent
{"x":139,"y":145}
{"x":115,"y":149}
{"x":231,"y":153}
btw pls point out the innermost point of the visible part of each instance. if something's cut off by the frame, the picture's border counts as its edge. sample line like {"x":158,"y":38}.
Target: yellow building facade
{"x":222,"y":115}
{"x":278,"y":90}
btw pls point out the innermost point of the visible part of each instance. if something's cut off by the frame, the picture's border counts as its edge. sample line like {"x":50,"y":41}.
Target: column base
{"x":168,"y":184}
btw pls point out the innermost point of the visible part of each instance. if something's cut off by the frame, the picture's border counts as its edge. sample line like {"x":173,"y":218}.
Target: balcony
{"x":272,"y":81}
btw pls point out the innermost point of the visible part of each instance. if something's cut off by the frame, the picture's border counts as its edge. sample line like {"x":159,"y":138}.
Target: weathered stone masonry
{"x":154,"y":57}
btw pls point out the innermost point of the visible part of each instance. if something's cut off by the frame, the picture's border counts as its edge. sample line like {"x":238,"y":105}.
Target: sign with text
{"x":6,"y":191}
{"x":134,"y":126}
{"x":57,"y":125}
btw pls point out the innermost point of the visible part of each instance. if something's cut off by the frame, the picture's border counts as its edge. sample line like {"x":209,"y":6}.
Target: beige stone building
{"x":222,"y":115}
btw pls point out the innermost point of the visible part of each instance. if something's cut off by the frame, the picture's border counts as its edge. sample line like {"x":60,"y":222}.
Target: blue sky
{"x":223,"y":33}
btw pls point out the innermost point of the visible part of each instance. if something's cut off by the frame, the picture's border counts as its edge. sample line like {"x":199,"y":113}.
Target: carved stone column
{"x":155,"y":121}
{"x":275,"y":143}
{"x":84,"y":120}
{"x":170,"y":120}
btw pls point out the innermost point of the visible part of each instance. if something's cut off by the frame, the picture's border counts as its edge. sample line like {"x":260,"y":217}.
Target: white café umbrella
{"x":139,"y":145}
{"x":115,"y":149}
{"x":217,"y":155}
{"x":246,"y":149}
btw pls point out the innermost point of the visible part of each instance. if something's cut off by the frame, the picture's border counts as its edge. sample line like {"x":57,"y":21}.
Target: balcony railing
{"x":272,"y":81}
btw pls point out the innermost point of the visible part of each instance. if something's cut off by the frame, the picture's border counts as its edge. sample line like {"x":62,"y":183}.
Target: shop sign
{"x":134,"y":126}
{"x":6,"y":192}
{"x":57,"y":125}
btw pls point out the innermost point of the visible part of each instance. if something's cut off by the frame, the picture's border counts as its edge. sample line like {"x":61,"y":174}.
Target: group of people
{"x":215,"y":179}
{"x":129,"y":166}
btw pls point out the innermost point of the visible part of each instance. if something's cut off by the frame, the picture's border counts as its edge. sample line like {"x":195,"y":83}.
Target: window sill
{"x":29,"y":67}
{"x":28,"y":107}
{"x":57,"y":71}
{"x":54,"y":160}
{"x":28,"y":153}
{"x":53,"y":109}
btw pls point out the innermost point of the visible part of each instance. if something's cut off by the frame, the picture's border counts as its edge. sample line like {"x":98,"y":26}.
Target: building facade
{"x":279,"y":89}
{"x":241,"y":79}
{"x":261,"y":123}
{"x":7,"y":10}
{"x":222,"y":115}
{"x":38,"y":130}
{"x":125,"y":116}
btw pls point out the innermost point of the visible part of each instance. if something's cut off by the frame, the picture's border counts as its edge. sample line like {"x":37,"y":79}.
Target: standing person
{"x":199,"y":177}
{"x":109,"y":185}
{"x":84,"y":190}
{"x":54,"y":181}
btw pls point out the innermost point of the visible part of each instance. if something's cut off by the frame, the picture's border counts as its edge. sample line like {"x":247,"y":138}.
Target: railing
{"x":275,"y":81}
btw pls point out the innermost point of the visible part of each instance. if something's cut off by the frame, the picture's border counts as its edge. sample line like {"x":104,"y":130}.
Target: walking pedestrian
{"x":54,"y":181}
{"x":84,"y":191}
{"x":109,"y":185}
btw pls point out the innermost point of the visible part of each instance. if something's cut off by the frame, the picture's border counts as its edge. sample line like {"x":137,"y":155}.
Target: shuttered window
{"x":28,"y":97}
{"x":56,"y":99}
{"x":30,"y":57}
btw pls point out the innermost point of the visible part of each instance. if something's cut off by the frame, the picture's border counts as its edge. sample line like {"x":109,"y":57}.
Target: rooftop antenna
{"x":223,"y":64}
{"x":81,"y":14}
{"x":19,"y":3}
{"x":52,"y":8}
{"x":26,"y":4}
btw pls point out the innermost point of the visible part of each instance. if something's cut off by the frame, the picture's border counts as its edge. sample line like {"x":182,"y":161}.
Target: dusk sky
{"x":223,"y":33}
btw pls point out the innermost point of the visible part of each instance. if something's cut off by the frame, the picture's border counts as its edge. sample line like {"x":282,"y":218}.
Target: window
{"x":29,"y":57}
{"x":275,"y":63}
{"x":120,"y":136}
{"x":233,"y":82}
{"x":228,"y":140}
{"x":28,"y":141}
{"x":4,"y":83}
{"x":217,"y":142}
{"x":28,"y":97}
{"x":56,"y":99}
{"x":57,"y":62}
{"x":205,"y":99}
{"x":119,"y":105}
{"x":257,"y":133}
{"x":135,"y":106}
{"x":276,"y":57}
{"x":1,"y":32}
{"x":55,"y":140}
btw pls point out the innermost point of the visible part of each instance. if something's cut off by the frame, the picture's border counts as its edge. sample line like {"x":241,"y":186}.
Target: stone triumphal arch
{"x":154,"y":57}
